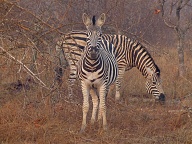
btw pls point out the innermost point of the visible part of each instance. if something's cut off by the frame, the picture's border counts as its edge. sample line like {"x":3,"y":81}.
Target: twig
{"x":86,"y":139}
{"x":31,"y":13}
{"x":25,"y":67}
{"x":22,"y":59}
{"x":186,"y":79}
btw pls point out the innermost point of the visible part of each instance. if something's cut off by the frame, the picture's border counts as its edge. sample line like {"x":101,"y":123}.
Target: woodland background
{"x":34,"y":109}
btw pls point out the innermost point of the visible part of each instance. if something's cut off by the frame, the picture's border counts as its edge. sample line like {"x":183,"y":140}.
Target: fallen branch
{"x":25,"y":67}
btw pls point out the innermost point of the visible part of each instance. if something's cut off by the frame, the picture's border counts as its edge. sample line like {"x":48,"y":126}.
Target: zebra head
{"x":153,"y":84}
{"x":93,"y":32}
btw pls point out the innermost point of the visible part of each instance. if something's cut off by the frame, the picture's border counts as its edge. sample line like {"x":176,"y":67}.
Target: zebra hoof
{"x":162,"y":97}
{"x":92,"y":121}
{"x":103,"y":131}
{"x":105,"y":128}
{"x":82,"y":129}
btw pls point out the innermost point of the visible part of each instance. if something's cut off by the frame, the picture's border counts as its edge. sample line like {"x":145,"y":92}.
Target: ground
{"x":31,"y":114}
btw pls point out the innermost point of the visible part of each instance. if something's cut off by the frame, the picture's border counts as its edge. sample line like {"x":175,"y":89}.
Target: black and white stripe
{"x":129,"y":53}
{"x":97,"y":69}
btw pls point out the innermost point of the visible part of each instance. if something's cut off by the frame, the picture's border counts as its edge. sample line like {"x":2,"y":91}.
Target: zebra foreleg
{"x":102,"y":106}
{"x":95,"y":105}
{"x":85,"y":91}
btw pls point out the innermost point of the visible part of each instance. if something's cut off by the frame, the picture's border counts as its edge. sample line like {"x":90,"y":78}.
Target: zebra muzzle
{"x":93,"y":52}
{"x":161,"y":99}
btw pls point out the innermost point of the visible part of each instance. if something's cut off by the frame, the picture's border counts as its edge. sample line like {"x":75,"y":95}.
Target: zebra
{"x":129,"y":53}
{"x":97,"y":69}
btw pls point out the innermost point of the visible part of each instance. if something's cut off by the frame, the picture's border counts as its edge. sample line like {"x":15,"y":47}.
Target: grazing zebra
{"x":129,"y":53}
{"x":97,"y":69}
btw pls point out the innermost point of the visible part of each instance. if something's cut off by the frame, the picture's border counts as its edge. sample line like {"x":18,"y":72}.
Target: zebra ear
{"x":101,"y":20}
{"x":86,"y":20}
{"x":149,"y":72}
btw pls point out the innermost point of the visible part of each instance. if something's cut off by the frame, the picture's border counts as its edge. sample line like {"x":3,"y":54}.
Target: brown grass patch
{"x":48,"y":118}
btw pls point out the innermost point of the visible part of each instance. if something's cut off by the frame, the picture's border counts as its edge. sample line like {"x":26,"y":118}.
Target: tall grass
{"x":47,"y":116}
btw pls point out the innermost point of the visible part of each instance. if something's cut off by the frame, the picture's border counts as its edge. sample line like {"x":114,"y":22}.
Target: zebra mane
{"x":93,"y":20}
{"x":157,"y":70}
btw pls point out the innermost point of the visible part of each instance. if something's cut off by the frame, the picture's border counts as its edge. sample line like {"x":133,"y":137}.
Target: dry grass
{"x":48,"y":118}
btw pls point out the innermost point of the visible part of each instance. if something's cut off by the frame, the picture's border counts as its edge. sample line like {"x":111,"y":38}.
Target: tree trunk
{"x":181,"y":67}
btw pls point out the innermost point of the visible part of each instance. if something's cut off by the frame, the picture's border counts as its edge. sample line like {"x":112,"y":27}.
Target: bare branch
{"x":185,"y":3}
{"x":189,"y":25}
{"x":178,"y":10}
{"x":168,"y":24}
{"x":38,"y":18}
{"x":189,"y":5}
{"x":161,"y":3}
{"x":7,"y":12}
{"x":25,"y":67}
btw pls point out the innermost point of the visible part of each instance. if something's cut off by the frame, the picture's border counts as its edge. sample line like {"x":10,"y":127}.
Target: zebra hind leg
{"x":70,"y":89}
{"x":117,"y":94}
{"x":85,"y":91}
{"x":118,"y":84}
{"x":57,"y":83}
{"x":71,"y":82}
{"x":58,"y":76}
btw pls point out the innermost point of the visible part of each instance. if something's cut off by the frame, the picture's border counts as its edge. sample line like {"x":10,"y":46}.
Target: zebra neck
{"x":92,"y":65}
{"x":141,"y":59}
